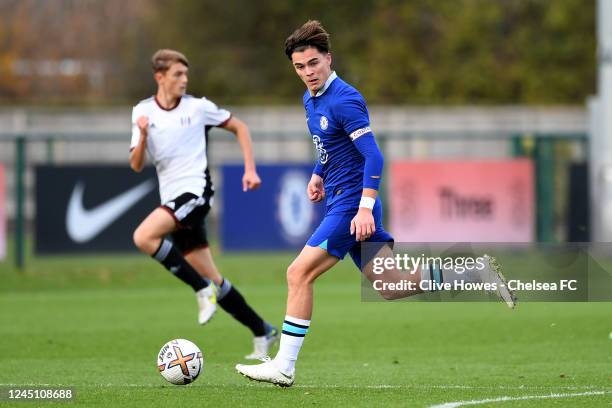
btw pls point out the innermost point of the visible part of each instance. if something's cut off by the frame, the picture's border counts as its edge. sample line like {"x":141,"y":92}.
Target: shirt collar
{"x":331,"y":78}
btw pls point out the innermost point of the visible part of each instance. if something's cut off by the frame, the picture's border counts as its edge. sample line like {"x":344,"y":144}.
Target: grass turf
{"x":97,"y":323}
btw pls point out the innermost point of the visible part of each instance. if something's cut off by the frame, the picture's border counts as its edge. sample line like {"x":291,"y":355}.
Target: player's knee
{"x":296,"y":275}
{"x":292,"y":275}
{"x":141,"y":240}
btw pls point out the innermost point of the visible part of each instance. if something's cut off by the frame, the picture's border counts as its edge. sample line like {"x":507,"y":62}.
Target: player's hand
{"x":362,"y":225}
{"x":315,"y":189}
{"x":143,"y":124}
{"x":250,"y":181}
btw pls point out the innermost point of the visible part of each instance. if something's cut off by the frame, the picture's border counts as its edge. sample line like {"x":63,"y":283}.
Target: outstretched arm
{"x":250,"y":180}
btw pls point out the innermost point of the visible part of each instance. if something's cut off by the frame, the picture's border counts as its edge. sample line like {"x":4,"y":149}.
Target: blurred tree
{"x":68,"y":50}
{"x":236,"y":47}
{"x":480,"y":51}
{"x":395,"y":52}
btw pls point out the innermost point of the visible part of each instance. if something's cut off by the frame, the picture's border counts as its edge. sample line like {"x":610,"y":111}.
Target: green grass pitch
{"x":97,"y":323}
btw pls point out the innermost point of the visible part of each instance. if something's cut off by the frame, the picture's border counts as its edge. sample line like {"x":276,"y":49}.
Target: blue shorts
{"x":334,"y":234}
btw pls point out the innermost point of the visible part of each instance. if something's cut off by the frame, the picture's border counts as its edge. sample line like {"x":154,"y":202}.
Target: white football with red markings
{"x":180,"y":362}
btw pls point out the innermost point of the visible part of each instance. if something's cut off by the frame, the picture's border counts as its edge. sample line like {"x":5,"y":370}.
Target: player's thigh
{"x":190,"y":238}
{"x":375,"y":252}
{"x":310,"y":264}
{"x":189,"y":212}
{"x":155,"y":225}
{"x":189,"y":209}
{"x":333,"y":235}
{"x":363,"y":252}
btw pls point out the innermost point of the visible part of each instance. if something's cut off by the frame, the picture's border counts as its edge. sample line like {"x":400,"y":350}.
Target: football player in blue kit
{"x":347,"y":174}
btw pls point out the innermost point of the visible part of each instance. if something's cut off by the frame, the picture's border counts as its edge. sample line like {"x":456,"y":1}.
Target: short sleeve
{"x":213,"y":115}
{"x":353,"y":116}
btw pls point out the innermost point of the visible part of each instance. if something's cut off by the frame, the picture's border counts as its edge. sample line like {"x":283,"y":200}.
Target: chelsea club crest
{"x":323,"y":122}
{"x":295,"y":212}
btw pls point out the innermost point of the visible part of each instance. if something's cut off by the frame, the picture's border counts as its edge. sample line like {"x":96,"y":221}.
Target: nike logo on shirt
{"x":83,"y":225}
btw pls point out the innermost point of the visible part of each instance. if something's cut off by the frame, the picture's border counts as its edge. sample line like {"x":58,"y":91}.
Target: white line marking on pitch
{"x":526,"y":397}
{"x":330,"y":386}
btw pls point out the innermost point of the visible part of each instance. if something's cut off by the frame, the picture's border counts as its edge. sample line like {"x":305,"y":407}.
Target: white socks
{"x":292,"y":337}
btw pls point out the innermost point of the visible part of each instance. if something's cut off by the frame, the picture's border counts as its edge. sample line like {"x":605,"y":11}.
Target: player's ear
{"x":158,"y":76}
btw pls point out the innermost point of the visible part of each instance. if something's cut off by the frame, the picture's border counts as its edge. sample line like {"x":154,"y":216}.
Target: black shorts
{"x":189,"y":212}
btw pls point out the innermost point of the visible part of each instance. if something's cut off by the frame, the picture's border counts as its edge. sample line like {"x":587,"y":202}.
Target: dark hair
{"x":310,"y":34}
{"x":163,"y":59}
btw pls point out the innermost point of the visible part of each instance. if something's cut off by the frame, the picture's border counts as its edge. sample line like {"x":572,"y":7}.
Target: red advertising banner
{"x":2,"y":215}
{"x":462,"y":201}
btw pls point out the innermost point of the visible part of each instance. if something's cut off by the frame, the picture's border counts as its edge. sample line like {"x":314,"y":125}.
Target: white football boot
{"x":267,"y":372}
{"x":263,"y":344}
{"x":491,"y":273}
{"x":207,"y":303}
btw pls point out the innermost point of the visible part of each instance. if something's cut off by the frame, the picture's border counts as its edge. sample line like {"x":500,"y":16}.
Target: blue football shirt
{"x":336,"y":116}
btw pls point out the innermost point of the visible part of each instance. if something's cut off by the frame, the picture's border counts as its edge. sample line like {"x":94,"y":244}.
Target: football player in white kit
{"x":172,"y":129}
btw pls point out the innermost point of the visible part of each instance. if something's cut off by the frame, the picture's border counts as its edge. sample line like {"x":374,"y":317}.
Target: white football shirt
{"x":176,"y":142}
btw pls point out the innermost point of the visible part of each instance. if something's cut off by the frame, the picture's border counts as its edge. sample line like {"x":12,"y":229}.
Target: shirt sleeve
{"x":355,"y":120}
{"x":353,"y":116}
{"x":213,"y":115}
{"x":135,"y":131}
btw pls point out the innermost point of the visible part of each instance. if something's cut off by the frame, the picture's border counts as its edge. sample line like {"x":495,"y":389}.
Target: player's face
{"x":174,"y":80}
{"x":313,"y":67}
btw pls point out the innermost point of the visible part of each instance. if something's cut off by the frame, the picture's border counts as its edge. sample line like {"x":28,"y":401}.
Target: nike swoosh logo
{"x":83,"y":225}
